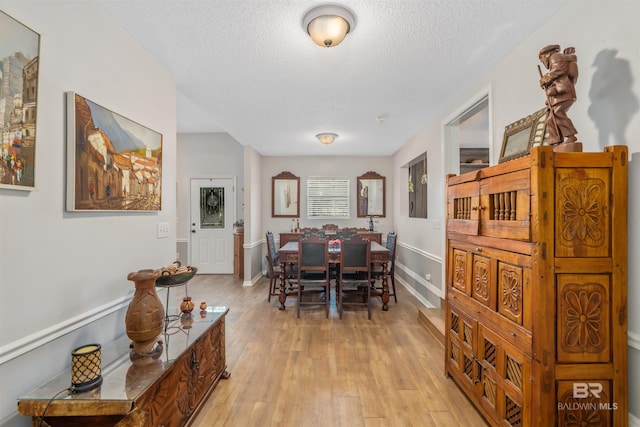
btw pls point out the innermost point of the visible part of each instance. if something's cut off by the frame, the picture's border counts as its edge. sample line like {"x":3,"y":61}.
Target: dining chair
{"x":314,"y":232}
{"x":355,"y":274}
{"x":273,"y":261}
{"x":312,"y":277}
{"x":376,"y":270}
{"x":344,"y":233}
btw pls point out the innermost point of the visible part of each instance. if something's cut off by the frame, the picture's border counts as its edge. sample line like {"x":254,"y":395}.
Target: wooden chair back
{"x":355,"y":255}
{"x":272,"y":253}
{"x":313,"y":254}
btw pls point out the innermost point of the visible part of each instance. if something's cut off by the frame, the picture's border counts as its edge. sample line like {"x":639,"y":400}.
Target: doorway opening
{"x":466,"y":145}
{"x":467,"y":141}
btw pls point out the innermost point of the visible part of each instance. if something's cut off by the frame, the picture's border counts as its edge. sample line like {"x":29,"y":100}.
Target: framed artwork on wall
{"x":285,"y":195}
{"x":19,"y":59}
{"x":418,"y":187}
{"x":113,"y":163}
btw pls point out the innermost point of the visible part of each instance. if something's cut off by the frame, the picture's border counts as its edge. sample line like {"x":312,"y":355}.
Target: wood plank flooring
{"x":316,"y":372}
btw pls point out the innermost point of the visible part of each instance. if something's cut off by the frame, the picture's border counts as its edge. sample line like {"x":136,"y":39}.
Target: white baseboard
{"x":413,"y":292}
{"x":253,"y":280}
{"x":422,"y":281}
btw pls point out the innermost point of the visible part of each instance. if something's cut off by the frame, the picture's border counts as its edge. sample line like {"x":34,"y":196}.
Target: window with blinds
{"x":327,"y":198}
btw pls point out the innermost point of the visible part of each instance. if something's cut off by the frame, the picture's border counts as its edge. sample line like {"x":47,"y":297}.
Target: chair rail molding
{"x":255,"y":244}
{"x":26,"y":344}
{"x":633,"y":340}
{"x":421,"y":252}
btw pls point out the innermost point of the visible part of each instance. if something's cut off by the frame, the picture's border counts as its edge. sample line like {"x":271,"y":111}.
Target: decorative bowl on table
{"x":175,"y":274}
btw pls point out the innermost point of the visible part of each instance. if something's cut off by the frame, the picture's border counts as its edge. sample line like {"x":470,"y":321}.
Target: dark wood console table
{"x":165,"y":390}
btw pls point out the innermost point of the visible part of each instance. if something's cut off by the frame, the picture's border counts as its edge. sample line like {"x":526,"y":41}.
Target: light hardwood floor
{"x":317,"y":372}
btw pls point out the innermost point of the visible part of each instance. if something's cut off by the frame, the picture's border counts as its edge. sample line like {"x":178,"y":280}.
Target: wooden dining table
{"x":288,"y":254}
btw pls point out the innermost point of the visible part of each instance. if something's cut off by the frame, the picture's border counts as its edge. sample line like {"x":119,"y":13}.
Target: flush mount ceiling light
{"x":327,"y":138}
{"x":328,"y":24}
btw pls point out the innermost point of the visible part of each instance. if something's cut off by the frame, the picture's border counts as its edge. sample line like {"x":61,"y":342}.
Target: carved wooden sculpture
{"x":559,"y":86}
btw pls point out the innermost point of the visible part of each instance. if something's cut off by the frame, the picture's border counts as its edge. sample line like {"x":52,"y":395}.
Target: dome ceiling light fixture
{"x":327,"y":138}
{"x":327,"y":25}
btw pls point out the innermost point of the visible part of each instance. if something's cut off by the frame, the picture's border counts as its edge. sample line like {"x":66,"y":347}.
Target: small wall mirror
{"x":371,"y":195}
{"x":285,"y":195}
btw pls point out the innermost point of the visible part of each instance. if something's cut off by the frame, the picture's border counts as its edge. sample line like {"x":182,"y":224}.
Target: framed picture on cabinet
{"x":113,"y":163}
{"x":285,"y":195}
{"x":19,"y":56}
{"x":523,"y":134}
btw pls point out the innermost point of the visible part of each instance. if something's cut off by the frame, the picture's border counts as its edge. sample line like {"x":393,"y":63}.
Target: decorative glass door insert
{"x":212,"y":208}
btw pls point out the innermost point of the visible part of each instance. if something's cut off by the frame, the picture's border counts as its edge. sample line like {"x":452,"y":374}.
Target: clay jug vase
{"x":187,"y":305}
{"x":145,"y":316}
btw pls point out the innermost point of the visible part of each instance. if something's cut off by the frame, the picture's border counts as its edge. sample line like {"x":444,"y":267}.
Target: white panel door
{"x":212,"y":216}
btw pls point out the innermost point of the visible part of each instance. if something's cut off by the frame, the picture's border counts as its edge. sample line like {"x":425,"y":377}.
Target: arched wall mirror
{"x":371,"y":195}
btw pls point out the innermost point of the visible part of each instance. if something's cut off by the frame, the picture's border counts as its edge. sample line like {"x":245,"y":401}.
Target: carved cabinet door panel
{"x":584,"y":318}
{"x":483,"y":284}
{"x":511,"y":291}
{"x":461,"y":347}
{"x":463,"y":208}
{"x":585,"y":407}
{"x":583,"y":212}
{"x":503,"y":381}
{"x":460,"y":270}
{"x":505,"y":207}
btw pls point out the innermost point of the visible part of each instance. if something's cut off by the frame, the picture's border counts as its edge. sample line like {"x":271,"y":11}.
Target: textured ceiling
{"x":247,"y":67}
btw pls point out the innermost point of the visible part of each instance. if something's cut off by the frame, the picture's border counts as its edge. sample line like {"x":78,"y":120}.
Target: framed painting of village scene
{"x":19,"y":53}
{"x":113,"y":163}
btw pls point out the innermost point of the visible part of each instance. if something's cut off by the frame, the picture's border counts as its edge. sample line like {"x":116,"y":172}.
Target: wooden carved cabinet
{"x":165,"y":389}
{"x":179,"y":394}
{"x":536,"y":319}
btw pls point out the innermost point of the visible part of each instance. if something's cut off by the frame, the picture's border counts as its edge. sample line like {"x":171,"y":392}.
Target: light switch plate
{"x":163,"y":230}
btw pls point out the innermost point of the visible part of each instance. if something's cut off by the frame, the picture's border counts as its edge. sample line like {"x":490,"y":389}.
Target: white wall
{"x":420,"y":240}
{"x":304,"y":167}
{"x":592,"y":27}
{"x":254,"y":211}
{"x":63,"y":275}
{"x":206,"y":155}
